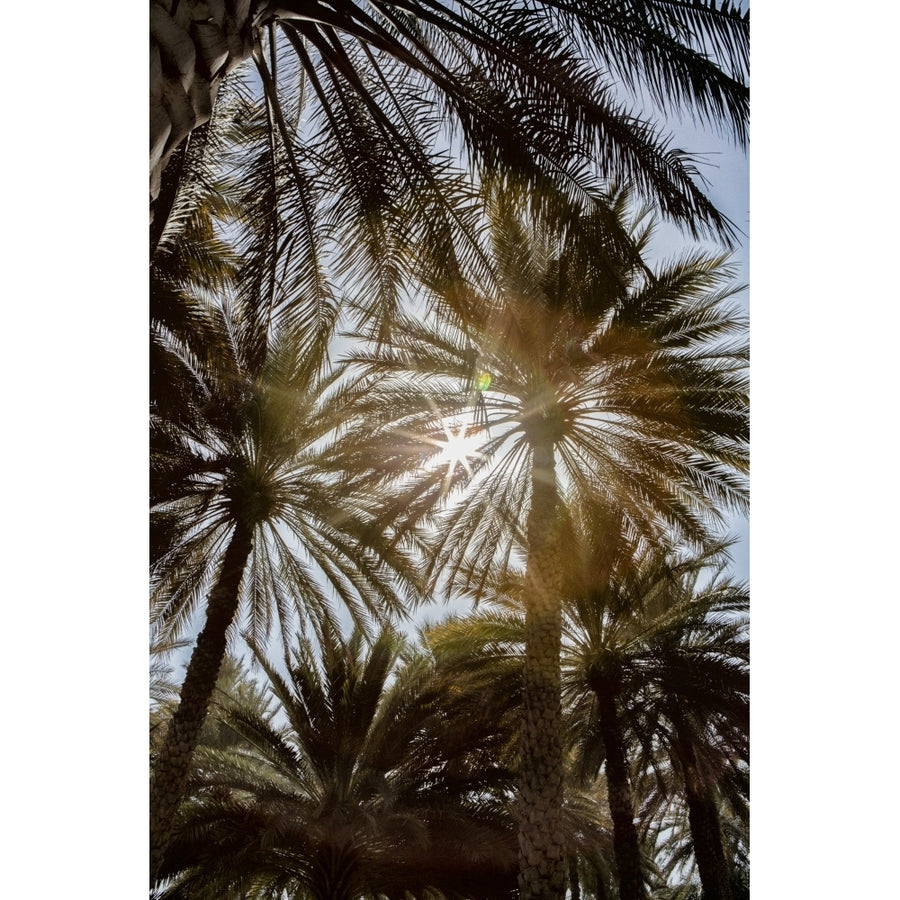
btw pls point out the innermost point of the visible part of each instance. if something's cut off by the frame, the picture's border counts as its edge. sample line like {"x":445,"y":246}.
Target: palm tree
{"x":661,"y":664}
{"x":666,"y":830}
{"x":594,"y":379}
{"x":234,"y":685}
{"x":482,"y":655}
{"x":245,"y":505}
{"x":364,"y":781}
{"x":163,"y":687}
{"x":543,"y":89}
{"x":699,"y":714}
{"x":677,"y":654}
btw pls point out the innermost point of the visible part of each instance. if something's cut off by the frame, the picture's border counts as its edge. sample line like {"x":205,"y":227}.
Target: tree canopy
{"x":409,"y":342}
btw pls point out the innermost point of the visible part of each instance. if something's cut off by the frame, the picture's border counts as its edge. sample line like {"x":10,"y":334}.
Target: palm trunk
{"x":542,"y":868}
{"x":703,"y":817}
{"x":621,"y":804}
{"x":173,"y":766}
{"x":193,"y":44}
{"x":574,"y":883}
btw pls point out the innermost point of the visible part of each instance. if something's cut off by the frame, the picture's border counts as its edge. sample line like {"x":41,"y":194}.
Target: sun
{"x":457,"y":447}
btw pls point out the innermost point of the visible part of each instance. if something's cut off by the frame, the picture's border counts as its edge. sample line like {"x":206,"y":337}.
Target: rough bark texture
{"x":193,"y":44}
{"x":542,"y":869}
{"x":621,"y":804}
{"x":172,"y":768}
{"x":706,"y":833}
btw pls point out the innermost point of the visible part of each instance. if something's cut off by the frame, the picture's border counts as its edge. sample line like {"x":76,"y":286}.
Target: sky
{"x":726,"y":169}
{"x":824,"y":326}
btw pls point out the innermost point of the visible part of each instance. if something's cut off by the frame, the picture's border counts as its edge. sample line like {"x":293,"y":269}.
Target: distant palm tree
{"x":245,"y":504}
{"x":666,"y":831}
{"x":364,"y":782}
{"x":661,"y":666}
{"x":234,"y":685}
{"x":697,"y":710}
{"x":163,"y":688}
{"x":541,"y":89}
{"x":593,"y":379}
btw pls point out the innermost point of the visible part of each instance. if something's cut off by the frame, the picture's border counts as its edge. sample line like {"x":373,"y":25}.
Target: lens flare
{"x":458,"y":447}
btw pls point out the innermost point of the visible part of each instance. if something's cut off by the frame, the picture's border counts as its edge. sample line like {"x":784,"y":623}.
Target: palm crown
{"x":594,"y":381}
{"x":254,"y":454}
{"x":637,"y":378}
{"x":365,"y":782}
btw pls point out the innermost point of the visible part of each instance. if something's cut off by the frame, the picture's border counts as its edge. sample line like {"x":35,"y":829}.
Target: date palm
{"x":234,"y":684}
{"x":661,"y":667}
{"x":666,"y":829}
{"x":368,"y":90}
{"x":594,"y":379}
{"x":482,"y":655}
{"x":366,"y":782}
{"x":680,"y":656}
{"x":163,"y":684}
{"x":698,"y":712}
{"x":246,"y":509}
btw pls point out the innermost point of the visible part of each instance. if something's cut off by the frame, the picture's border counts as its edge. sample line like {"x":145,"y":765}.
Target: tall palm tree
{"x":543,"y":89}
{"x":592,"y":378}
{"x":245,"y":503}
{"x":661,"y":666}
{"x":482,"y":655}
{"x":365,"y":782}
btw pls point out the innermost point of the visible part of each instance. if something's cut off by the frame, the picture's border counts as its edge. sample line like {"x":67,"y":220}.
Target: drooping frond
{"x":546,"y":91}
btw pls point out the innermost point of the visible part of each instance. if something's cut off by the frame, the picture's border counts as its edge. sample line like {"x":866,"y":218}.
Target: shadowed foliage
{"x":366,"y":781}
{"x":639,"y":628}
{"x":247,"y":508}
{"x":482,"y":653}
{"x":656,"y":666}
{"x":308,"y":161}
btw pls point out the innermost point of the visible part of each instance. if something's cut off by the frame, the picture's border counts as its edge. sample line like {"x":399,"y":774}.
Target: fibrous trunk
{"x":173,"y":766}
{"x":621,"y":804}
{"x":542,"y":867}
{"x":706,"y":832}
{"x":193,"y":44}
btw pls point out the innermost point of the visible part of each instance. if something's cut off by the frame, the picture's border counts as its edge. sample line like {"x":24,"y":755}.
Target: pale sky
{"x":726,"y":168}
